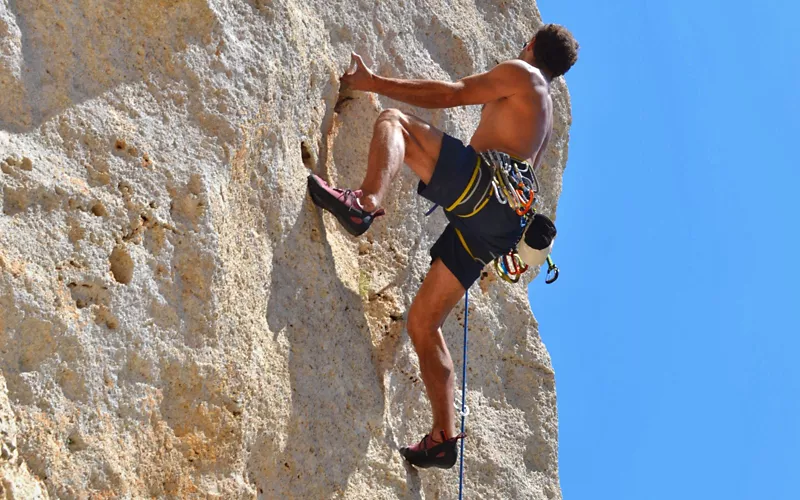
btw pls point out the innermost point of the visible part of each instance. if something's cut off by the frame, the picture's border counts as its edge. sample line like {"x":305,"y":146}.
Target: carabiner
{"x":501,"y":271}
{"x":552,"y":271}
{"x":526,"y":203}
{"x":522,"y":265}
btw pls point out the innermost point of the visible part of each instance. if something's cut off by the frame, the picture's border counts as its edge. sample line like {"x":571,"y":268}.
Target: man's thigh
{"x":439,"y":293}
{"x":423,"y":144}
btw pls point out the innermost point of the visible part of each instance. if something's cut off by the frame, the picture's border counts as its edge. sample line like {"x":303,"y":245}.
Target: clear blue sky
{"x":673,"y":329}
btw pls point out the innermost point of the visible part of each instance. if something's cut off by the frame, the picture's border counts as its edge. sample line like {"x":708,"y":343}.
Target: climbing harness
{"x":514,"y":183}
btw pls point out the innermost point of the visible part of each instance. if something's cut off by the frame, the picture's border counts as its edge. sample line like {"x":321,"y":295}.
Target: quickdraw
{"x":510,"y":267}
{"x":510,"y":183}
{"x":552,"y":271}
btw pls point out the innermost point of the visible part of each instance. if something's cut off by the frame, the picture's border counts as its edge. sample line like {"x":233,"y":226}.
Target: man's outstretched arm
{"x":420,"y":93}
{"x":503,"y":80}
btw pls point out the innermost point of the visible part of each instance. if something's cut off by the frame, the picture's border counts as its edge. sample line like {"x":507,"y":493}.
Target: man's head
{"x":553,"y":50}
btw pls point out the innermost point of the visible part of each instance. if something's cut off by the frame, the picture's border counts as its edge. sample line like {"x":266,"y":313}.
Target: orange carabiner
{"x":528,"y":203}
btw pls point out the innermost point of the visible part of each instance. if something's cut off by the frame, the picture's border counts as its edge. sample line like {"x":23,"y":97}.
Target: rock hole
{"x":120,"y":145}
{"x":15,"y":201}
{"x":80,"y":303}
{"x":121,"y":265}
{"x":86,"y":294}
{"x":305,"y":154}
{"x":103,"y":316}
{"x":99,"y":209}
{"x":75,"y":442}
{"x":340,"y":102}
{"x":195,"y":185}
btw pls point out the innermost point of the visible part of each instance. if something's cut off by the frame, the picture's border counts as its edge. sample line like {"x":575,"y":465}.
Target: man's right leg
{"x":398,"y":138}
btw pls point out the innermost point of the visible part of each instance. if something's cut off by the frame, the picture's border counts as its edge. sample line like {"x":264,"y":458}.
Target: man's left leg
{"x":439,"y":293}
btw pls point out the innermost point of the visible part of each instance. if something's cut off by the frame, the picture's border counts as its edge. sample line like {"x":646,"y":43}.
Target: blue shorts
{"x":480,"y":228}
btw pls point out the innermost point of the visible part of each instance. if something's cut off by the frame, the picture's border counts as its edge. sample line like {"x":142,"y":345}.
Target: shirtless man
{"x":517,"y":119}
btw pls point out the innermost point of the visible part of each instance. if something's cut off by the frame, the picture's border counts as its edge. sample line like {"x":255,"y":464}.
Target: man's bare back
{"x":520,"y":124}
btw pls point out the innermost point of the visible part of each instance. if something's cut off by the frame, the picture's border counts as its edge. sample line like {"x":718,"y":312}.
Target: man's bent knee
{"x":422,"y":141}
{"x":391,"y":117}
{"x":419,"y":328}
{"x":391,"y":114}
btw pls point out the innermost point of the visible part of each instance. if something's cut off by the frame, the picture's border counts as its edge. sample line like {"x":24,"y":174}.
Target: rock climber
{"x":517,"y":119}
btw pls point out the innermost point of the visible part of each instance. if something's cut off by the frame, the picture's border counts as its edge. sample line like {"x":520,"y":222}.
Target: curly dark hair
{"x":555,"y":49}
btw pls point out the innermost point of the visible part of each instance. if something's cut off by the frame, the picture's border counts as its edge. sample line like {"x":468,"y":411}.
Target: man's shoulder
{"x":517,"y":68}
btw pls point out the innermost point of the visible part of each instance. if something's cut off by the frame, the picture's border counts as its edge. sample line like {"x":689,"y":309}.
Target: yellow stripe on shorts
{"x":466,"y":247}
{"x":469,"y":186}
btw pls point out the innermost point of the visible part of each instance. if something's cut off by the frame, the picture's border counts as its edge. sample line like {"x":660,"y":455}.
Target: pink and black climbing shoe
{"x":429,"y":453}
{"x":343,"y":203}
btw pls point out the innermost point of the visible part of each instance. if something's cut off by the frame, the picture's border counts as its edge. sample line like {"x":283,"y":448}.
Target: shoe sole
{"x":451,"y":461}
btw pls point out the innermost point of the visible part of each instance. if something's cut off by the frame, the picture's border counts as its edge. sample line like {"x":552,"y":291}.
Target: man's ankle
{"x":368,"y":202}
{"x":440,"y":435}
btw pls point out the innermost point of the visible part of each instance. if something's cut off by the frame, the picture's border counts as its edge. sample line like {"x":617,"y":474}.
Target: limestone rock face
{"x":16,"y":481}
{"x":177,"y":319}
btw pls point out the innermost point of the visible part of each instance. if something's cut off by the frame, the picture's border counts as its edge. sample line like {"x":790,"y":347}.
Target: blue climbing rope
{"x":464,"y":412}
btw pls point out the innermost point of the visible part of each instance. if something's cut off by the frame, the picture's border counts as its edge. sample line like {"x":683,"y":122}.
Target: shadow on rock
{"x":337,"y":404}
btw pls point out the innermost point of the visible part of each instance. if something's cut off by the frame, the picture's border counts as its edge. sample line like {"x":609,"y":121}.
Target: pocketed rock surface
{"x":177,"y":319}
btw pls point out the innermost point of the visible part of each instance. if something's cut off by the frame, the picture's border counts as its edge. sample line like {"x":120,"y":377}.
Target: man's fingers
{"x":357,"y":61}
{"x":354,"y":64}
{"x":356,"y":72}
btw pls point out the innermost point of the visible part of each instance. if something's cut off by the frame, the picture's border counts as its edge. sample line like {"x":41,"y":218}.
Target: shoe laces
{"x":429,"y":438}
{"x":347,"y":194}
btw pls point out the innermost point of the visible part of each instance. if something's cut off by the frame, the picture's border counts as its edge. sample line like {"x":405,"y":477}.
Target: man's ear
{"x":530,"y":47}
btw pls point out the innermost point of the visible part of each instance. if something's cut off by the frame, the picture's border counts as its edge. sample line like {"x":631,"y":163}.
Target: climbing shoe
{"x":343,"y":204}
{"x":429,"y":453}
